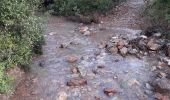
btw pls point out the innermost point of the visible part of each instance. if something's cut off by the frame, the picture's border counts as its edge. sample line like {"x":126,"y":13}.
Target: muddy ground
{"x":75,"y":66}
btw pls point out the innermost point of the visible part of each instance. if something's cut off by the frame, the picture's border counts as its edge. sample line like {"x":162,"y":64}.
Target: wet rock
{"x":34,"y":92}
{"x":74,"y":70}
{"x":168,"y":49}
{"x":101,"y":66}
{"x":124,"y":51}
{"x":83,"y":29}
{"x":148,"y":86}
{"x":141,"y":45}
{"x":77,"y":82}
{"x":63,"y":46}
{"x":62,"y":96}
{"x":162,"y":85}
{"x":157,"y":34}
{"x":120,"y":44}
{"x":159,"y":96}
{"x":113,"y":50}
{"x":110,"y":91}
{"x":133,"y":51}
{"x":102,"y":45}
{"x":71,"y":59}
{"x":97,"y":98}
{"x":41,"y":63}
{"x":133,"y":82}
{"x":152,"y":45}
{"x":143,"y":36}
{"x":87,"y":33}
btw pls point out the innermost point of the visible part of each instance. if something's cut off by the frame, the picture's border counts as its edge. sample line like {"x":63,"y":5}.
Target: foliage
{"x":72,"y":7}
{"x":159,"y":11}
{"x":20,"y":30}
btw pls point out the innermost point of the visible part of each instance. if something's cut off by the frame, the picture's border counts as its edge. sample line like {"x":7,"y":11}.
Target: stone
{"x":77,"y":82}
{"x":168,"y":50}
{"x":110,"y":91}
{"x":62,"y":96}
{"x":159,"y":96}
{"x":152,"y":45}
{"x":148,"y":86}
{"x":120,"y":44}
{"x":113,"y":50}
{"x":101,"y":66}
{"x":133,"y":51}
{"x":83,"y":29}
{"x":162,"y":85}
{"x":87,"y":33}
{"x":142,"y":45}
{"x":74,"y":70}
{"x":97,"y":98}
{"x":124,"y":51}
{"x":102,"y":45}
{"x":71,"y":59}
{"x":157,"y":34}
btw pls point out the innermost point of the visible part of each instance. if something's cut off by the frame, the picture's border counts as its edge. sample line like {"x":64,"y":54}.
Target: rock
{"x":162,"y":85}
{"x":41,"y":63}
{"x":133,"y":82}
{"x":159,"y":96}
{"x":148,"y":86}
{"x":133,"y":51}
{"x":34,"y":92}
{"x":62,"y":96}
{"x":110,"y":91}
{"x":71,"y":59}
{"x":143,"y":36}
{"x":77,"y":82}
{"x":74,"y":70}
{"x":141,"y":45}
{"x":157,"y":34}
{"x":101,"y":66}
{"x":120,"y":44}
{"x":113,"y":50}
{"x":152,"y":45}
{"x":124,"y":51}
{"x":168,"y":49}
{"x":63,"y":46}
{"x":83,"y":29}
{"x":102,"y":45}
{"x":97,"y":98}
{"x":87,"y":33}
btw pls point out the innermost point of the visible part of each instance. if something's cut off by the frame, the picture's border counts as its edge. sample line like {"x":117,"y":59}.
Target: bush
{"x":159,"y":13}
{"x":72,"y":7}
{"x":20,"y":30}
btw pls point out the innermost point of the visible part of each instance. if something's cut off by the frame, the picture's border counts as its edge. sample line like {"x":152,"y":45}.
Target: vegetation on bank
{"x":20,"y":31}
{"x":159,"y":12}
{"x":83,"y":7}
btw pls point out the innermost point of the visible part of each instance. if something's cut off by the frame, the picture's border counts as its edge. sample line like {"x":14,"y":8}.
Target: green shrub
{"x":72,"y":7}
{"x":20,"y":30}
{"x":159,"y":12}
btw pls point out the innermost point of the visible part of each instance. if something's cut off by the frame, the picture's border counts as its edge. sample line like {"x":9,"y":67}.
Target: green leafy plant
{"x":20,"y":31}
{"x":72,"y":7}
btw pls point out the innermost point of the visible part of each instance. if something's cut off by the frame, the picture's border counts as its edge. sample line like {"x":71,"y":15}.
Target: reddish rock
{"x":120,"y":44}
{"x":71,"y":59}
{"x":74,"y":70}
{"x":152,"y":45}
{"x":77,"y":82}
{"x":97,"y":98}
{"x":159,"y":96}
{"x":110,"y":91}
{"x":113,"y":50}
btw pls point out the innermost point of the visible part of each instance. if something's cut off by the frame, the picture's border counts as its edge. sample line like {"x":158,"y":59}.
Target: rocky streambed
{"x":111,"y":60}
